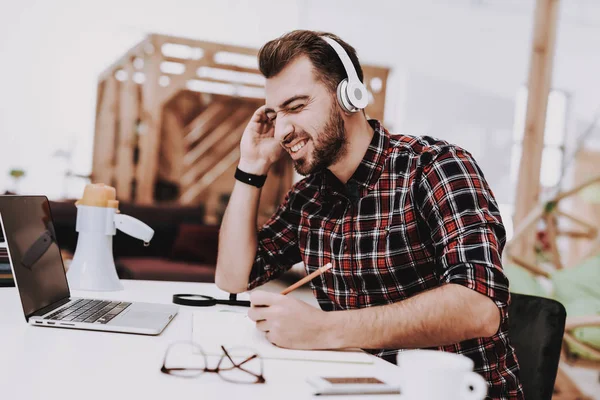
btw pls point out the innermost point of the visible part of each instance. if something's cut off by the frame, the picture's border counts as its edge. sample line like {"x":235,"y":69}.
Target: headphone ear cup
{"x":342,"y":96}
{"x":357,"y":94}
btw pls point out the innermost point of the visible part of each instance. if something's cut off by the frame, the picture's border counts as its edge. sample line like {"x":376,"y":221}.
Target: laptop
{"x":28,"y":228}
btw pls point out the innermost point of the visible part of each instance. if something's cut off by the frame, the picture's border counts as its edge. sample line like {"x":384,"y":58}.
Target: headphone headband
{"x":352,"y":94}
{"x":348,"y":66}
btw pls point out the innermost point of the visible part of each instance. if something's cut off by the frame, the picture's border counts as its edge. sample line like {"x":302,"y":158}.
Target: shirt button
{"x":345,"y":247}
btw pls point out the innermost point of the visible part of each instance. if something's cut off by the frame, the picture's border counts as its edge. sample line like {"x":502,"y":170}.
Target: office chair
{"x":536,"y":327}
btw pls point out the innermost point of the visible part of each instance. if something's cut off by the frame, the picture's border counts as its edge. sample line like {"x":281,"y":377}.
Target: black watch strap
{"x":250,"y":179}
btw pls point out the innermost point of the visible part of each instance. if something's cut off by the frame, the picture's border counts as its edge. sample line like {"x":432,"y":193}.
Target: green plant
{"x":16,"y":174}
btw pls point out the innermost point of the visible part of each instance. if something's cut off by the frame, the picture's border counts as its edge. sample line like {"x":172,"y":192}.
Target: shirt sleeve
{"x":278,"y":247}
{"x":464,"y":221}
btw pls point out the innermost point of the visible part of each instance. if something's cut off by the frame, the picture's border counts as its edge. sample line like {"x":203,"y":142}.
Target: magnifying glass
{"x":199,"y":300}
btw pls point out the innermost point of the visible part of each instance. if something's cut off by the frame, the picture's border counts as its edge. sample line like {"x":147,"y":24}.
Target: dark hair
{"x":275,"y":55}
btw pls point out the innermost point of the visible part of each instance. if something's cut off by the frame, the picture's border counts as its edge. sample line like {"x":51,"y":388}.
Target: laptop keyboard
{"x":92,"y":311}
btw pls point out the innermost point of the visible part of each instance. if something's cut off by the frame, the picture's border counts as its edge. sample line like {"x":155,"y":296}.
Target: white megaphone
{"x":98,"y":218}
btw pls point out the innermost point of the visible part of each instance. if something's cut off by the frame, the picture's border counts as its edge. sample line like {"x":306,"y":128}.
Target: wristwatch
{"x":250,"y":179}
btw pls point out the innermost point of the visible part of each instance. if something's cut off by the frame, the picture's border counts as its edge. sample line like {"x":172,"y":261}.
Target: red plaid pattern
{"x":416,"y":214}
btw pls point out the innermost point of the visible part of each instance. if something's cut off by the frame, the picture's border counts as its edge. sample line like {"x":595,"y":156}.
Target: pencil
{"x":307,"y":278}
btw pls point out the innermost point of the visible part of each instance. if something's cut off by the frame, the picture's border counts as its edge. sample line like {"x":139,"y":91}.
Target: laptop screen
{"x":34,"y":253}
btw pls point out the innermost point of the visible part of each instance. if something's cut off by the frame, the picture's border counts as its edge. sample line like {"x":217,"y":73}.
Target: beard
{"x":328,"y":146}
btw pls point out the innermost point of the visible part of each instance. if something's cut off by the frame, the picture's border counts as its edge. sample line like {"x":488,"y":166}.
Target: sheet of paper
{"x":231,"y":329}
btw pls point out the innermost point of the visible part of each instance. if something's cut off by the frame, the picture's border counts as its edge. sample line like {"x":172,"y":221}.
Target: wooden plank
{"x":127,"y":135}
{"x":377,"y":109}
{"x":208,"y":61}
{"x":193,"y":191}
{"x":104,"y":151}
{"x":591,"y":230}
{"x":580,"y":321}
{"x":218,"y":169}
{"x":552,"y":239}
{"x":178,"y":82}
{"x":241,"y":114}
{"x":576,"y":234}
{"x":207,"y":46}
{"x":531,"y":267}
{"x":98,"y":133}
{"x":228,"y":141}
{"x":173,"y":148}
{"x":135,"y":51}
{"x":591,"y":181}
{"x":206,"y":121}
{"x":183,"y":85}
{"x":540,"y":73}
{"x":149,"y":141}
{"x":524,"y":226}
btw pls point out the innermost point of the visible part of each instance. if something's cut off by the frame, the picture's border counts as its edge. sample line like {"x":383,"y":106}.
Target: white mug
{"x":437,"y":375}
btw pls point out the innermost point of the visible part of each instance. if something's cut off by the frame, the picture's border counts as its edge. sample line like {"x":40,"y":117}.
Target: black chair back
{"x":536,"y":327}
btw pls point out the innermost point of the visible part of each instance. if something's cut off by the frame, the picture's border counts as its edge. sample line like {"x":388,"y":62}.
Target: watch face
{"x":357,"y":380}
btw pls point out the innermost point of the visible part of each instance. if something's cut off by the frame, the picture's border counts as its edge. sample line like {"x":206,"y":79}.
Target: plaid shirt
{"x":416,"y":214}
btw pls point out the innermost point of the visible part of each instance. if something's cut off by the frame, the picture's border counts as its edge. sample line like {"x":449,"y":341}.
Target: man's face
{"x":308,"y":123}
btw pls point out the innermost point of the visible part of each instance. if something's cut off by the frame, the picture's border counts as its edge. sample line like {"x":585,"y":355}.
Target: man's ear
{"x":342,"y":110}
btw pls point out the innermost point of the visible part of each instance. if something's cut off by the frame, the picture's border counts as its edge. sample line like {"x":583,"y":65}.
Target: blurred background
{"x":77,"y":106}
{"x":458,"y":71}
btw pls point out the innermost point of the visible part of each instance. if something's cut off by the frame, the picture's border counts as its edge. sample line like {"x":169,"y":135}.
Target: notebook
{"x":209,"y":333}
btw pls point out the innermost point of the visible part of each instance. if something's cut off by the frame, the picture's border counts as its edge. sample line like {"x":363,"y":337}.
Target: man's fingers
{"x":263,"y":325}
{"x":257,"y":313}
{"x":262,"y":126}
{"x":272,"y":338}
{"x":267,"y":129}
{"x":259,"y":114}
{"x":262,"y":298}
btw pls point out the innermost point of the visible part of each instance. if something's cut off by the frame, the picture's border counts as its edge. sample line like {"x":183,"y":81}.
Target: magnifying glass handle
{"x":233,"y":301}
{"x":242,"y":303}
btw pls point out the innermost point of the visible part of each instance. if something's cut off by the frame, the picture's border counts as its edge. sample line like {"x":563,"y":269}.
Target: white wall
{"x":52,"y":51}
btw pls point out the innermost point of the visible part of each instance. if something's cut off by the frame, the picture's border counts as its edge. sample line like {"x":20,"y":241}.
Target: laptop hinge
{"x":49,"y":308}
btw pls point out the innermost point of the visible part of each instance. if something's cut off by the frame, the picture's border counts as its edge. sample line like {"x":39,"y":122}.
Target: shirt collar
{"x":369,"y":170}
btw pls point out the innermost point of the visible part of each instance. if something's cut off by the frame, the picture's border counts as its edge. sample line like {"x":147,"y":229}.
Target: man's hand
{"x":258,"y":148}
{"x":289,"y":322}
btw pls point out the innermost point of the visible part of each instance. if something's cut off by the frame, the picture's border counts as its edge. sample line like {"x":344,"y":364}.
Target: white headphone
{"x":351,"y":93}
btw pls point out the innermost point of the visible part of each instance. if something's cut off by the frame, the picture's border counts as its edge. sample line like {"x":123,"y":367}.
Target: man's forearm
{"x":445,"y":315}
{"x":237,"y":239}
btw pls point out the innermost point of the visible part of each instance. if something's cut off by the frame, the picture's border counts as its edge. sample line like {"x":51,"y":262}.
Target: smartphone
{"x":351,"y":385}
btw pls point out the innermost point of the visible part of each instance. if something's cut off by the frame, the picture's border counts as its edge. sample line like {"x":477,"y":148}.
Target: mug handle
{"x":479,"y":385}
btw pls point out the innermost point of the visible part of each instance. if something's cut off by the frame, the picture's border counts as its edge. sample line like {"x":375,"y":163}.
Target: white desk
{"x":48,"y":363}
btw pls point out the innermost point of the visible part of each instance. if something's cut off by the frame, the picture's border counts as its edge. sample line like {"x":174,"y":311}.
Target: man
{"x":410,"y":225}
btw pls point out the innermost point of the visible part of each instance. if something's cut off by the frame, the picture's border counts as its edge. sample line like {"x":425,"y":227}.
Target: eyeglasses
{"x":237,"y":365}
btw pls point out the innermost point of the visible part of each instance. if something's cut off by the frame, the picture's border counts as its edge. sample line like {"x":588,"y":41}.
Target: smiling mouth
{"x":298,"y":146}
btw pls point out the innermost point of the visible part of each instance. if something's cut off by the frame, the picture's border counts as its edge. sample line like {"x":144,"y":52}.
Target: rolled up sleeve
{"x":277,"y":248}
{"x":464,"y":220}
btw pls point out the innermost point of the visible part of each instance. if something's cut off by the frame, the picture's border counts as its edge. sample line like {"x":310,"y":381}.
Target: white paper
{"x":231,"y":329}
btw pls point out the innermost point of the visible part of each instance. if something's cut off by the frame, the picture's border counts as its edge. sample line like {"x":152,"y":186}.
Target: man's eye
{"x":297,"y":108}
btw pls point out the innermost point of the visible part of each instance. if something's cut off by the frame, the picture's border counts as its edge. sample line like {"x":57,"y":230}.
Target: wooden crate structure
{"x":173,"y":110}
